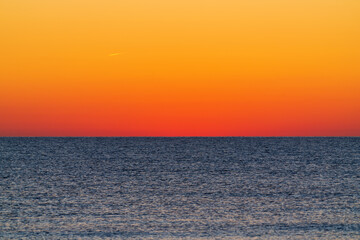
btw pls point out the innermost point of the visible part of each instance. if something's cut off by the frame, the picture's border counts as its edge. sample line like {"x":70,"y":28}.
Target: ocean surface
{"x":180,"y":188}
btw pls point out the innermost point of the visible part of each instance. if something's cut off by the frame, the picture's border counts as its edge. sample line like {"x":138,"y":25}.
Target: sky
{"x":180,"y":68}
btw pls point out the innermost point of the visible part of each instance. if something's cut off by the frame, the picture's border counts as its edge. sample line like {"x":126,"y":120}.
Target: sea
{"x":180,"y":188}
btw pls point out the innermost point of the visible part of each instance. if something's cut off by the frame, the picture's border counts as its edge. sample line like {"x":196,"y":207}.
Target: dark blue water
{"x":176,"y":188}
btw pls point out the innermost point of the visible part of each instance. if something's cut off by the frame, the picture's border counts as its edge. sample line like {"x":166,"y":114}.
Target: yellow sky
{"x":137,"y":54}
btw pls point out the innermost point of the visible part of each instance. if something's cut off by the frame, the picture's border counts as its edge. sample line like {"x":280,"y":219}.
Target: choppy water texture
{"x":184,"y":188}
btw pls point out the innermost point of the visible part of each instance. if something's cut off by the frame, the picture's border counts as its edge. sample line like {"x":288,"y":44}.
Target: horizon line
{"x":179,"y":136}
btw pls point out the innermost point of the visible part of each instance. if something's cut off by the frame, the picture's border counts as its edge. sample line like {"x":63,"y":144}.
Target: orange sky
{"x":180,"y":68}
